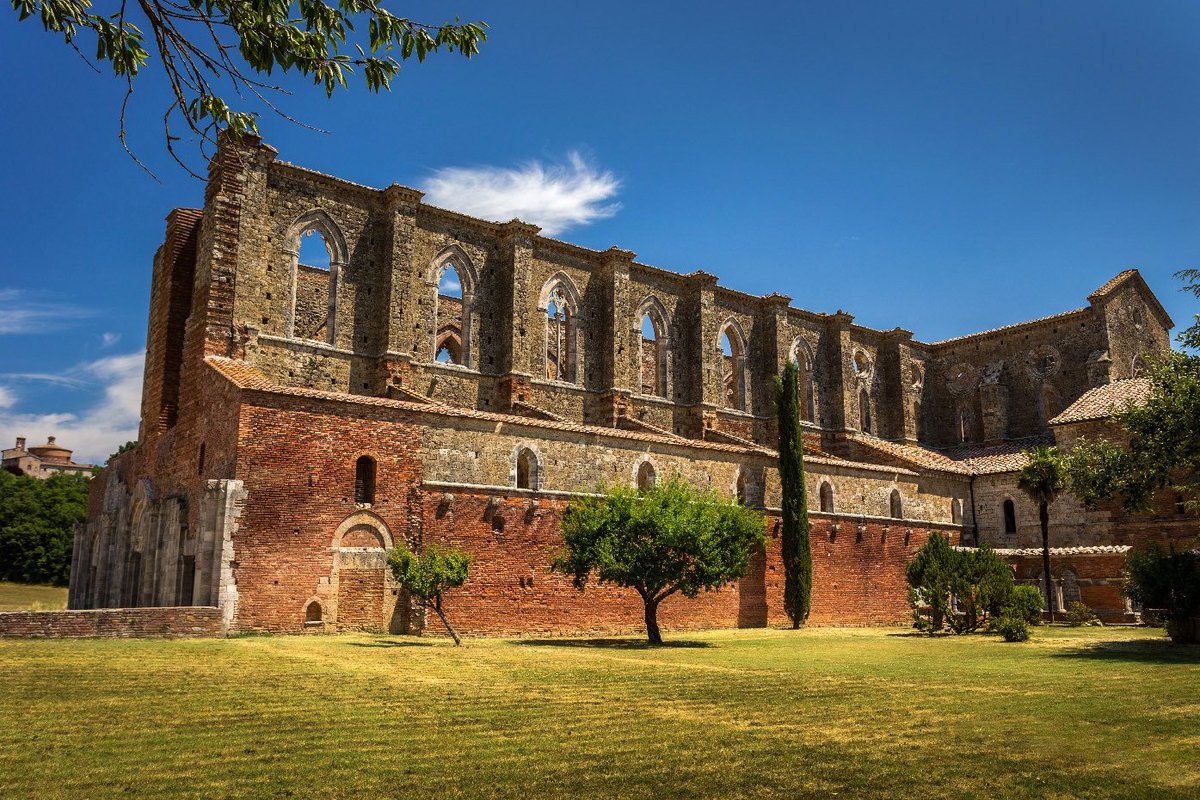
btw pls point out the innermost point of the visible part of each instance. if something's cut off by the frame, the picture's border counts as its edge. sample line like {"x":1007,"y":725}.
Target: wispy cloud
{"x":59,"y":379}
{"x":109,"y":339}
{"x":97,"y":430}
{"x":555,"y":197}
{"x":29,"y":313}
{"x":7,"y":398}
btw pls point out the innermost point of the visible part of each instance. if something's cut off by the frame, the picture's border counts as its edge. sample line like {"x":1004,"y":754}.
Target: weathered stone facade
{"x":299,"y":419}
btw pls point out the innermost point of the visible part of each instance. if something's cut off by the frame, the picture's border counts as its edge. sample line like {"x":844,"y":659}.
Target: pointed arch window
{"x":1010,"y":518}
{"x":317,"y":253}
{"x":559,"y":301}
{"x":449,"y":312}
{"x":733,"y":367}
{"x":804,"y":387}
{"x":896,"y":505}
{"x":652,"y":352}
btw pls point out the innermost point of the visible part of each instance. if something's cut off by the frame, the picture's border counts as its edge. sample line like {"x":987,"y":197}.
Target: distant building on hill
{"x":43,"y":460}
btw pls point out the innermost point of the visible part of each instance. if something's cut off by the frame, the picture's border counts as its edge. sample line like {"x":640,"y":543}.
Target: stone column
{"x":620,"y":333}
{"x":408,"y":318}
{"x":518,"y":328}
{"x":837,"y":400}
{"x":769,"y":354}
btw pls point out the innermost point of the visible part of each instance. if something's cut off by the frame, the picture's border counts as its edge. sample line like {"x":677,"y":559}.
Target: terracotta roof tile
{"x":990,"y":459}
{"x":912,"y":454}
{"x":1100,"y":402}
{"x":1012,"y":327}
{"x":1092,"y":550}
{"x":1112,"y":283}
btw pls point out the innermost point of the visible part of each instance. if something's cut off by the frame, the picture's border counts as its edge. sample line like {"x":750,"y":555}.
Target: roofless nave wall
{"x":474,"y":374}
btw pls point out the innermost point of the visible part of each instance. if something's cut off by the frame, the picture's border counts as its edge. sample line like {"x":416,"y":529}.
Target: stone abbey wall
{"x":481,"y":405}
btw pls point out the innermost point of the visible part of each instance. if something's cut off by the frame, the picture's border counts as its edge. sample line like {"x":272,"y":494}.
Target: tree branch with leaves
{"x":212,"y":50}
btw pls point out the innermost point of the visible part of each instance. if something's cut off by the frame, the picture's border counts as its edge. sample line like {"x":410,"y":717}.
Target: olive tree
{"x":670,"y":538}
{"x":427,"y":576}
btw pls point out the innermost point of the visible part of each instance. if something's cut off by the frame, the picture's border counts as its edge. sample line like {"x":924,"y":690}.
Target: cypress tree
{"x":795,"y":546}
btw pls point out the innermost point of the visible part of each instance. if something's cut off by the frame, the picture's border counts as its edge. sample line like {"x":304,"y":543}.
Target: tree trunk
{"x":437,"y":607}
{"x":652,"y":632}
{"x":1044,"y":518}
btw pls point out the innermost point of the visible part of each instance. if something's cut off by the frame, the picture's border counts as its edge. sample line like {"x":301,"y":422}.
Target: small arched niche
{"x":646,"y":477}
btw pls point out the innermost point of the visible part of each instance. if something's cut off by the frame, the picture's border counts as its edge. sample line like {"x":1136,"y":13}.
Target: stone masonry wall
{"x":190,"y":621}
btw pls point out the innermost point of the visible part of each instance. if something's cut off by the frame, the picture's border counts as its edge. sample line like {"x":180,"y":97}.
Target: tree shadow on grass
{"x":390,"y":643}
{"x":610,"y":644}
{"x":1146,"y":651}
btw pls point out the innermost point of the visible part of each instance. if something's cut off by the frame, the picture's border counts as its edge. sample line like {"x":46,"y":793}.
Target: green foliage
{"x":1024,"y":602}
{"x":1164,"y":444}
{"x":938,"y":575}
{"x":1079,"y":614}
{"x":125,"y":448}
{"x":1166,"y":579}
{"x":795,"y":546}
{"x":1012,"y":627}
{"x":673,"y":538}
{"x":196,"y":43}
{"x":429,"y":575}
{"x":37,"y":524}
{"x":1044,"y":477}
{"x":1190,"y":337}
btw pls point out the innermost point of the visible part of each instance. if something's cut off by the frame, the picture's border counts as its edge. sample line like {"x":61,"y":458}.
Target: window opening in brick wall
{"x":826,"y":495}
{"x":560,"y":337}
{"x":312,"y":613}
{"x":864,"y":411}
{"x":364,"y":480}
{"x":733,"y":367}
{"x":1010,"y":518}
{"x":314,"y":287}
{"x":804,"y":388}
{"x":527,"y":469}
{"x":1050,"y":404}
{"x":449,"y":310}
{"x":652,"y":359}
{"x":200,"y":461}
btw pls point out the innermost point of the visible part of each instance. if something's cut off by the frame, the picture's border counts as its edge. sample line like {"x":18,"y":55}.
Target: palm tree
{"x":1043,"y":479}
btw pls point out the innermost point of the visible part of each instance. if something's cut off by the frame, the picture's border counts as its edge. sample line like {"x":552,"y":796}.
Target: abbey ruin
{"x":434,"y":377}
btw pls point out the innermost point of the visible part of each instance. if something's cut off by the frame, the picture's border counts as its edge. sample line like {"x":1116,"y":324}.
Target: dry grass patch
{"x":1090,"y":712}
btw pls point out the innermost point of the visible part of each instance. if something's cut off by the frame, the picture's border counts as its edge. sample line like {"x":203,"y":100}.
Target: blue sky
{"x":940,"y":166}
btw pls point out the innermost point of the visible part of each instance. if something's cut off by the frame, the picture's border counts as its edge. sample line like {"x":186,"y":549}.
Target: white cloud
{"x":7,"y":398}
{"x":25,"y":313}
{"x":553,"y":196}
{"x":109,"y":339}
{"x":97,"y":430}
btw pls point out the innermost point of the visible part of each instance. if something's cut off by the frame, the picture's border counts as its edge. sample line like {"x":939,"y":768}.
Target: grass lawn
{"x":32,"y":597}
{"x":1084,"y":712}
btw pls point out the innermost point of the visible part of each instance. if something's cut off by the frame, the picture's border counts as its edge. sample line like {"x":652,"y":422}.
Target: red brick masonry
{"x":174,"y":622}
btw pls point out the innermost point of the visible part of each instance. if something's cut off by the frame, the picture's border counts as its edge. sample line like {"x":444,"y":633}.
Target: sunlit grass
{"x":1095,"y":712}
{"x":32,"y":597}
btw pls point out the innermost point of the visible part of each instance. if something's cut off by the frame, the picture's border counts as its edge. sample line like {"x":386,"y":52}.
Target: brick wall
{"x":184,"y":621}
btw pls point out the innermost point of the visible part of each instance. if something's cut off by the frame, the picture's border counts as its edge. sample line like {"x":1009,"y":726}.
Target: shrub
{"x":1079,"y":614}
{"x":1012,"y":628}
{"x":1169,"y":580}
{"x":1024,"y":602}
{"x":978,"y":579}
